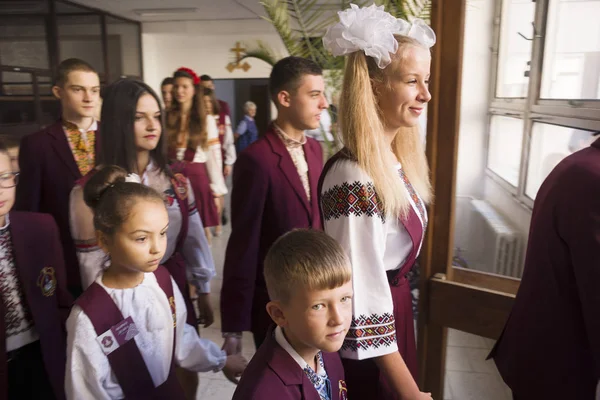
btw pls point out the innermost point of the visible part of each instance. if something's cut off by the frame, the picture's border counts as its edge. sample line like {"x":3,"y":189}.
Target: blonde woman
{"x":374,"y":191}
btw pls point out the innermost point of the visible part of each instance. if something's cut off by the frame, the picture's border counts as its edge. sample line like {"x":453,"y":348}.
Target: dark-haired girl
{"x":128,"y":330}
{"x":188,"y":141}
{"x":133,"y":140}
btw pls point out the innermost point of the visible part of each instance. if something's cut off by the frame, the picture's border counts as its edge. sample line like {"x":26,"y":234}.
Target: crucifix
{"x":239,"y":51}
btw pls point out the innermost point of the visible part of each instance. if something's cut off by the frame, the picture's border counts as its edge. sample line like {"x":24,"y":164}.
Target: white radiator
{"x":489,"y":243}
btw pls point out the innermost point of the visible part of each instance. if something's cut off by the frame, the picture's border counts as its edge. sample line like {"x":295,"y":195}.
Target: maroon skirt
{"x":198,"y":177}
{"x":363,"y":378}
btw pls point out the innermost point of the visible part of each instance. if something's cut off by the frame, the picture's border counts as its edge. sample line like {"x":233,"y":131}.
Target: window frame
{"x":579,"y":114}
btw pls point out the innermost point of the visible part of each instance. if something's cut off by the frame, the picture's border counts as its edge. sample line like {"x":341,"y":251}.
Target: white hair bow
{"x":134,"y":178}
{"x":372,"y":30}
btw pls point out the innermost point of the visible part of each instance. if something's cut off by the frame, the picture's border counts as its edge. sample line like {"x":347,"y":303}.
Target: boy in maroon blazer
{"x":550,"y":347}
{"x":54,"y":158}
{"x":274,"y":191}
{"x":35,"y":302}
{"x":308,"y":277}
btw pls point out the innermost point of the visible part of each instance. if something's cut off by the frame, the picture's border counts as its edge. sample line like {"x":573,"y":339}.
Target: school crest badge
{"x":107,"y":342}
{"x":47,"y":281}
{"x":180,"y":186}
{"x":343,"y":390}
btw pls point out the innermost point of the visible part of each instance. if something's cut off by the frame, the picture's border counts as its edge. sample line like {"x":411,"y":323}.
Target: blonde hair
{"x":362,"y":132}
{"x":307,"y":258}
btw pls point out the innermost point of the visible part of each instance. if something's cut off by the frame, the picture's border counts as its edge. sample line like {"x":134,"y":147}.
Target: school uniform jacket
{"x":550,"y":347}
{"x":39,"y":261}
{"x":48,"y":173}
{"x":274,"y":374}
{"x":267,"y":200}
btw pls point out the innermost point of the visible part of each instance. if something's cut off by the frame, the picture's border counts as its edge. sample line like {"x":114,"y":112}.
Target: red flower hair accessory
{"x":191,"y":73}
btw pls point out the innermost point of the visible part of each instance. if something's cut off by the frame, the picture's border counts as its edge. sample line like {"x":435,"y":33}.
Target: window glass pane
{"x":549,"y":145}
{"x":572,"y":51}
{"x":23,"y":41}
{"x":16,"y":100}
{"x":514,"y":49}
{"x":504,"y":151}
{"x":79,"y":36}
{"x":124,"y":47}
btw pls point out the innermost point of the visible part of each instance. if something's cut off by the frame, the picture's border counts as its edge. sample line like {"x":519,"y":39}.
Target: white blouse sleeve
{"x":352,"y":214}
{"x":192,"y":352}
{"x":228,"y":143}
{"x":90,"y":256}
{"x":87,"y":367}
{"x":215,"y":172}
{"x":199,"y":262}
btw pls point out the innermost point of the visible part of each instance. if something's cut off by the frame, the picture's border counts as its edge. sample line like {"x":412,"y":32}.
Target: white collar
{"x":282,"y":341}
{"x":6,"y":224}
{"x":92,"y":127}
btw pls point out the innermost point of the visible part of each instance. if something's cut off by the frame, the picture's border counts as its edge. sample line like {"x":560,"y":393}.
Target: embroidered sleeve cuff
{"x":370,"y":336}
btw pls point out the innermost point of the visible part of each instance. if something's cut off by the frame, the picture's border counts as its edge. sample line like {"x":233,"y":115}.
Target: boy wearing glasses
{"x":35,"y":303}
{"x":53,"y":159}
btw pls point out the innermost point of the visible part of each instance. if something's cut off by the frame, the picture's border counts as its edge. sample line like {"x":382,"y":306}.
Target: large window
{"x":35,"y":35}
{"x":546,"y":99}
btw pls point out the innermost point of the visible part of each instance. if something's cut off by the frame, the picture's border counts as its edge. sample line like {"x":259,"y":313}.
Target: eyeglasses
{"x":9,"y":180}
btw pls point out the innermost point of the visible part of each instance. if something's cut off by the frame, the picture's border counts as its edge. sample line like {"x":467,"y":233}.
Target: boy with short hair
{"x":275,"y":190}
{"x":52,"y":159}
{"x":308,"y":277}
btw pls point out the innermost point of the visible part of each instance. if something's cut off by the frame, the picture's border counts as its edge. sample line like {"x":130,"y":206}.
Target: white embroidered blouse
{"x":88,"y":371}
{"x":375,"y":243}
{"x":213,"y":156}
{"x":196,"y":252}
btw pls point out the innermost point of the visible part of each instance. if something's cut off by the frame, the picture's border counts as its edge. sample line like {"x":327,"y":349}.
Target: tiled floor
{"x":468,"y":375}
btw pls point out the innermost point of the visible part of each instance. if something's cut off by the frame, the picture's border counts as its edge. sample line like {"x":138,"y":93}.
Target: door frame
{"x":466,"y":300}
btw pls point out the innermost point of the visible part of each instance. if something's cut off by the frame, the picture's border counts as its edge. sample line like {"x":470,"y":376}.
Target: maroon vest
{"x":126,"y":361}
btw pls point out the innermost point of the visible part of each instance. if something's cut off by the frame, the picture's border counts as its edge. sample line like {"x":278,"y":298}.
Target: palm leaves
{"x":407,"y":9}
{"x":301,"y":25}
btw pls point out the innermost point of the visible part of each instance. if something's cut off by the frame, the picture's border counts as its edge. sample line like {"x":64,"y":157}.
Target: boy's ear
{"x":277,"y":313}
{"x":284,"y":98}
{"x":57,"y":91}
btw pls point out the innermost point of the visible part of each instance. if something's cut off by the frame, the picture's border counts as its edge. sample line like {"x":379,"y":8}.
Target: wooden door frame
{"x":474,"y":302}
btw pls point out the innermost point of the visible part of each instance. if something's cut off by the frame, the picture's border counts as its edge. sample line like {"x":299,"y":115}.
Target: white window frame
{"x":580,"y":114}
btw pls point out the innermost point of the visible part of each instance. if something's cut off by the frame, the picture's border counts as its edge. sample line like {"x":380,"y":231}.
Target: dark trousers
{"x":27,"y":378}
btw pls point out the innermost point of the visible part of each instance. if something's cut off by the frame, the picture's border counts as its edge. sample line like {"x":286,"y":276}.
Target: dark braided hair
{"x":111,"y":198}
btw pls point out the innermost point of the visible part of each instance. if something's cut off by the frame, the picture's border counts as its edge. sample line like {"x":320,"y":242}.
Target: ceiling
{"x":179,"y":10}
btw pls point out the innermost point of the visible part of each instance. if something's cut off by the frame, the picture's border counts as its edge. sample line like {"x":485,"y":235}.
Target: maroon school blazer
{"x":550,"y":347}
{"x":267,"y":200}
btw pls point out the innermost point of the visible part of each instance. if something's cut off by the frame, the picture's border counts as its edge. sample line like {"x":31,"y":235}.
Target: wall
{"x":472,"y":180}
{"x":205,"y":47}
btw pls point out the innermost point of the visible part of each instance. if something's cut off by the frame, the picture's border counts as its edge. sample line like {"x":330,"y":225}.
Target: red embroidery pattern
{"x":352,"y":198}
{"x":370,"y":331}
{"x":413,"y":195}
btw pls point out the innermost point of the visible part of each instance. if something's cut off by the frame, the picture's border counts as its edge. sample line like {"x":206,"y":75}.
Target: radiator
{"x":489,"y":243}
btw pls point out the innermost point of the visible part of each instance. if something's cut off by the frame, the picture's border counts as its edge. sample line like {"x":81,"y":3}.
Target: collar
{"x":282,"y":341}
{"x":288,"y":141}
{"x":3,"y":228}
{"x":69,"y":125}
{"x":149,"y":169}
